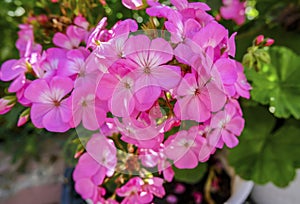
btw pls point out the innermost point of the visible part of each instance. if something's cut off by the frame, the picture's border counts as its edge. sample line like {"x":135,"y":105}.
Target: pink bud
{"x":22,"y":120}
{"x":103,"y":2}
{"x":6,"y":104}
{"x":218,"y":17}
{"x":259,"y":39}
{"x":78,"y":154}
{"x":269,"y":42}
{"x":54,"y":1}
{"x":23,"y":117}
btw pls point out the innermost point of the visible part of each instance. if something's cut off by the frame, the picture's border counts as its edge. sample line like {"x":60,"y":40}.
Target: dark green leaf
{"x":277,"y":84}
{"x":191,"y":176}
{"x":265,"y":155}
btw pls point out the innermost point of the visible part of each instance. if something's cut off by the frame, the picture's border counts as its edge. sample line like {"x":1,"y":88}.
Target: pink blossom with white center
{"x":137,"y":190}
{"x":16,"y":69}
{"x":98,"y":162}
{"x":210,"y":35}
{"x":183,"y":148}
{"x":133,"y":193}
{"x":104,"y":152}
{"x":26,"y":36}
{"x":74,"y":63}
{"x":206,"y":148}
{"x":179,"y":29}
{"x":198,"y":95}
{"x":229,"y":124}
{"x":234,"y":10}
{"x":94,"y":38}
{"x":49,"y":107}
{"x":52,"y":60}
{"x":140,"y":134}
{"x":118,"y":91}
{"x":86,"y":108}
{"x":72,"y":39}
{"x":151,"y":75}
{"x":156,"y":157}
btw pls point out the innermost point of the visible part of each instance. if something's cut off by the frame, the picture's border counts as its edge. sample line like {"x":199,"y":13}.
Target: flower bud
{"x":269,"y":42}
{"x":6,"y":103}
{"x":23,"y":117}
{"x":259,"y":39}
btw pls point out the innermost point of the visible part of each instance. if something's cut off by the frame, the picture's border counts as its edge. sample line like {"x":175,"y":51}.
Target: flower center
{"x":147,"y":70}
{"x":197,"y":92}
{"x":127,"y":85}
{"x":56,"y":103}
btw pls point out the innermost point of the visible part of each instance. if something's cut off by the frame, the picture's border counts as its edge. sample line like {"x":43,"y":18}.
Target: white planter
{"x":270,"y":194}
{"x":240,"y":191}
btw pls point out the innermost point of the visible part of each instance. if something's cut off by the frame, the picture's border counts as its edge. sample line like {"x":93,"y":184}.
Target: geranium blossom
{"x":235,"y":10}
{"x":229,"y":124}
{"x":137,"y":190}
{"x":149,"y":101}
{"x":49,"y":108}
{"x":183,"y":148}
{"x":151,"y":74}
{"x":198,"y":96}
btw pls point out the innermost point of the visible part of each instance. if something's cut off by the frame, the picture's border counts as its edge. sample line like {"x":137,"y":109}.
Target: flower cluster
{"x":169,"y":95}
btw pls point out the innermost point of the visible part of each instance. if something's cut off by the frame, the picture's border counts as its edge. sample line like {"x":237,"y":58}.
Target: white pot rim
{"x":240,"y":191}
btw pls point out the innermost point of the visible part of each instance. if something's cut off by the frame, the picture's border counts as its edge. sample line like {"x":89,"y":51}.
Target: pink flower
{"x":156,"y":157}
{"x":26,"y":37}
{"x":16,"y":70}
{"x":51,"y":61}
{"x":198,"y":96}
{"x":179,"y":29}
{"x":210,"y":35}
{"x":98,"y":162}
{"x":183,"y":148}
{"x":119,"y":93}
{"x":71,"y":39}
{"x":74,"y":63}
{"x":88,"y":175}
{"x":139,"y":133}
{"x":87,"y":108}
{"x":137,"y":190}
{"x":229,"y":124}
{"x":234,"y":10}
{"x":133,"y":4}
{"x":81,"y":22}
{"x":151,"y":75}
{"x":242,"y":87}
{"x":49,"y":107}
{"x":104,"y":152}
{"x":184,"y":4}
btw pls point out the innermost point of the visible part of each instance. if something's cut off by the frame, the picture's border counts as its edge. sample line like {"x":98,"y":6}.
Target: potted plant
{"x":156,"y":101}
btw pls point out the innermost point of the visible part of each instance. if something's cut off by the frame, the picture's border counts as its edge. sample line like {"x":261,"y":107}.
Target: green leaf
{"x":277,"y":84}
{"x":191,"y":176}
{"x":265,"y":155}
